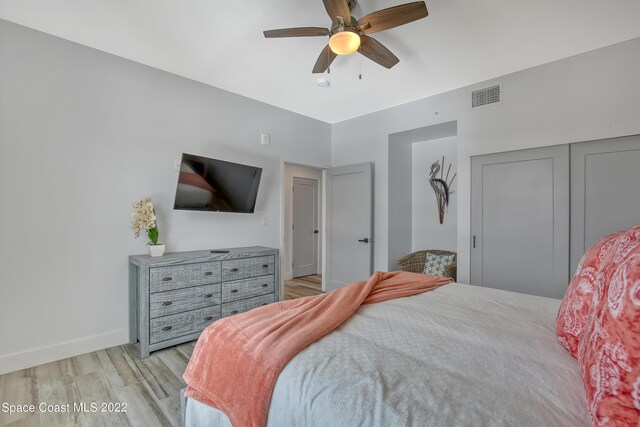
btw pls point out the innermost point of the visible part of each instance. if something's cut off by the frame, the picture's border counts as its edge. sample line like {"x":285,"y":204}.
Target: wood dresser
{"x":174,"y":297}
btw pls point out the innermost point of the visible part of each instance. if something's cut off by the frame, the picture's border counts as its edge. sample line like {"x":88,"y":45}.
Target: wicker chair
{"x":414,"y":262}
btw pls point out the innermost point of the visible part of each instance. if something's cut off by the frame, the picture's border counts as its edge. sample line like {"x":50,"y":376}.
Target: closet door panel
{"x":520,"y":221}
{"x":605,"y":190}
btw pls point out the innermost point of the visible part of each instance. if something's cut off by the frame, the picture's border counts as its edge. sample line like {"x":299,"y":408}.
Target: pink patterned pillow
{"x":609,"y":351}
{"x":573,"y":312}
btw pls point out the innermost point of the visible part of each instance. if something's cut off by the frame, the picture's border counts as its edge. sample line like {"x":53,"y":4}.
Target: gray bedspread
{"x":458,"y":356}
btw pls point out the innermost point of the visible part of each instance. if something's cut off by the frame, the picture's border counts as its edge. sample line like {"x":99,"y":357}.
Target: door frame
{"x":287,"y":243}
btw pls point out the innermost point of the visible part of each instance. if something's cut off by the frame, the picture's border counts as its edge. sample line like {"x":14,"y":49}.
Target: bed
{"x":459,"y":355}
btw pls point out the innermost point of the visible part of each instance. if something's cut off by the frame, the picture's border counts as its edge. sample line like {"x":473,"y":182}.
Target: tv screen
{"x":215,"y":185}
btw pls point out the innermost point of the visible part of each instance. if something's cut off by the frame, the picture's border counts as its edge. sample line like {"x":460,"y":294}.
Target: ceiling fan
{"x":348,"y":34}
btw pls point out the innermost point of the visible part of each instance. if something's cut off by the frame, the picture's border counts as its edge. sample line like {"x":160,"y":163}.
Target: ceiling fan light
{"x":344,"y":42}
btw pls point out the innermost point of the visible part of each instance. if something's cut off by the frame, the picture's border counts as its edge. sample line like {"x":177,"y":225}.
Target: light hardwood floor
{"x":303,"y":286}
{"x":150,"y":387}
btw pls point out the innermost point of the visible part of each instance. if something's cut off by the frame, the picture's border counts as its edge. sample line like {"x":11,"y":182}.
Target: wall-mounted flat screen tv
{"x":215,"y":185}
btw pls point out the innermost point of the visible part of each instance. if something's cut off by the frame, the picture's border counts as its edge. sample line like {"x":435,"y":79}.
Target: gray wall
{"x":83,"y":134}
{"x":399,"y":214}
{"x":400,"y":187}
{"x":426,"y":230}
{"x":589,"y":96}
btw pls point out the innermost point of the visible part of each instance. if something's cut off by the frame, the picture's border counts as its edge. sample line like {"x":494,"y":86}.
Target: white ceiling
{"x":220,"y":43}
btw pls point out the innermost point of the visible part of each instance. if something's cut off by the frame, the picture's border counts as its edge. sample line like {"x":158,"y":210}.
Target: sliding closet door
{"x":605,"y":190}
{"x":520,"y":221}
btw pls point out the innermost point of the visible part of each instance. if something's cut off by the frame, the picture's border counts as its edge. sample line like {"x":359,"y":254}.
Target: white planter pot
{"x":156,"y":250}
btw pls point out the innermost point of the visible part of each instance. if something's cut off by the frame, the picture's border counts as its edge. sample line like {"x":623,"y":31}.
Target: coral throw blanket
{"x":237,"y":360}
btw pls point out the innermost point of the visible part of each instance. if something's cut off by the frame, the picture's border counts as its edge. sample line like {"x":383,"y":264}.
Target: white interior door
{"x":349,"y":225}
{"x":305,"y":227}
{"x":605,"y":191}
{"x":520,"y":221}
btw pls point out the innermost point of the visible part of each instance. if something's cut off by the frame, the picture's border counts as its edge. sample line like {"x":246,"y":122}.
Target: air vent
{"x":486,"y":96}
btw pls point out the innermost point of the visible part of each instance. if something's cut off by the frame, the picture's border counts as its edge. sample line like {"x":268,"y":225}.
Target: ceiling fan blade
{"x":375,"y":51}
{"x":393,"y":17}
{"x":324,"y":60}
{"x":338,"y":8}
{"x":297,"y":32}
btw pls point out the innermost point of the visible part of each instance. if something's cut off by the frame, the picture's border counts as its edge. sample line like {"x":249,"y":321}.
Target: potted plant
{"x":144,"y":220}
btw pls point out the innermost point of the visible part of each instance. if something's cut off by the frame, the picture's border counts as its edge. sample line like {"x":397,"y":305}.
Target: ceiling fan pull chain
{"x":360,"y":75}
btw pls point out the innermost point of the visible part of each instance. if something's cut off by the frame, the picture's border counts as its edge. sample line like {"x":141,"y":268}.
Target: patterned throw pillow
{"x":609,"y":350}
{"x":573,"y":312}
{"x":436,"y":264}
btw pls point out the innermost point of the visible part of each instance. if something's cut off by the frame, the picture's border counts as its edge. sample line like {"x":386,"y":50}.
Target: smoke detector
{"x":322,"y":82}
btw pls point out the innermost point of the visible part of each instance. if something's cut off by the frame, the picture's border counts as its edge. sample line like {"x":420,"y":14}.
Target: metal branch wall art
{"x":441,"y":186}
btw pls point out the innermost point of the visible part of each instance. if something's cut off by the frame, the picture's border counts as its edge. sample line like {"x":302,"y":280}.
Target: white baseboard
{"x":30,"y":358}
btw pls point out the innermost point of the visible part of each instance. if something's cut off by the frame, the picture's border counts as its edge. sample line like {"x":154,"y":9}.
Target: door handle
{"x":365,"y":240}
{"x":316,"y":231}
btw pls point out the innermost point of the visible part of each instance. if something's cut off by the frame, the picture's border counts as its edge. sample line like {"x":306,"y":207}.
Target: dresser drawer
{"x":209,"y":272}
{"x":246,"y":288}
{"x":185,"y":299}
{"x":181,"y":276}
{"x":177,"y":325}
{"x":236,"y":307}
{"x":235,"y":269}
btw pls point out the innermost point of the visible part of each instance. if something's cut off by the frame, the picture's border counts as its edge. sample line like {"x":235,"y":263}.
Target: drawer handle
{"x":208,"y":295}
{"x":167,"y":328}
{"x":165,"y":304}
{"x":208,"y":273}
{"x":167,"y":279}
{"x":208,"y":318}
{"x":234,"y":291}
{"x":234,"y":312}
{"x":233,"y":270}
{"x":265,"y":303}
{"x":264,"y":285}
{"x":265,"y":265}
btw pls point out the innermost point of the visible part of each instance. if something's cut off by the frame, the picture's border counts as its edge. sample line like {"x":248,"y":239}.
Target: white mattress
{"x":458,"y":356}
